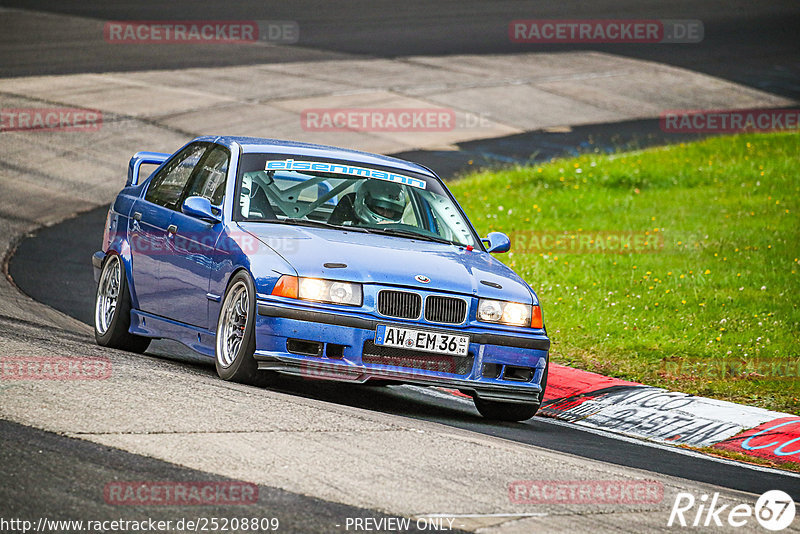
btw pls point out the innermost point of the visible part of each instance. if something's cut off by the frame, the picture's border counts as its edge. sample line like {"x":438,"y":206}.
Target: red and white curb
{"x":657,"y":415}
{"x":777,"y":440}
{"x":613,"y":405}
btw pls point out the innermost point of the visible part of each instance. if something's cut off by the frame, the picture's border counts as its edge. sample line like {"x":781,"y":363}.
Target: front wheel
{"x":511,"y":411}
{"x":505,"y":411}
{"x":112,"y":310}
{"x":236,"y":340}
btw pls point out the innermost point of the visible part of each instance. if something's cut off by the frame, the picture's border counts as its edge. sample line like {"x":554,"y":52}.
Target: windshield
{"x":273,"y":188}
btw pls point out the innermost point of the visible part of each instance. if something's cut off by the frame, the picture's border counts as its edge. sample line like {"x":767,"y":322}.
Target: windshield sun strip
{"x":344,"y":170}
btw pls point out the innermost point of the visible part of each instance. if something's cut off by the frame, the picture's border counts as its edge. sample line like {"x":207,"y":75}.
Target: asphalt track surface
{"x":68,"y":285}
{"x":56,"y":477}
{"x":753,"y":43}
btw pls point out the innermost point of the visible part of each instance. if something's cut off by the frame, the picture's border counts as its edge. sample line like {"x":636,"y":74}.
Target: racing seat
{"x":259,"y":204}
{"x":254,"y":202}
{"x":344,"y":211}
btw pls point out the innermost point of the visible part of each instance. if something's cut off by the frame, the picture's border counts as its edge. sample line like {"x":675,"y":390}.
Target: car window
{"x":167,"y":186}
{"x":348,"y":196}
{"x":209,"y":178}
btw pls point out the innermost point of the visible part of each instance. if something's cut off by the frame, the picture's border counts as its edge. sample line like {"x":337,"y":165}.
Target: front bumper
{"x":348,"y":334}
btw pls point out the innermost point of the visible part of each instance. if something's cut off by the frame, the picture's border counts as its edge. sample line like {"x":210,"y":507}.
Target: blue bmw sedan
{"x":276,"y":257}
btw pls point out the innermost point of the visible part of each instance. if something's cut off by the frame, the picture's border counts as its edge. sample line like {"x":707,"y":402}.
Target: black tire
{"x":511,"y":411}
{"x":505,"y":411}
{"x":239,"y":365}
{"x":113,"y":332}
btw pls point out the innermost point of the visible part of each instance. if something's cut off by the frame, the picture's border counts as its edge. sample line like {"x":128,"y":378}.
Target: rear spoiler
{"x":151,"y":158}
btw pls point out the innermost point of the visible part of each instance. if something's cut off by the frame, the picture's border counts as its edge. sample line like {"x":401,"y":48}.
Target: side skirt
{"x":196,"y":338}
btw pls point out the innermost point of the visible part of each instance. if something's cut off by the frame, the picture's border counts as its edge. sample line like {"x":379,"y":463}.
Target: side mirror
{"x":201,"y":208}
{"x":497,"y":242}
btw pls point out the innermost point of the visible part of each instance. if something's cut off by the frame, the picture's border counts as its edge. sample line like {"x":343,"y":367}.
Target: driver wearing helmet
{"x":379,"y":202}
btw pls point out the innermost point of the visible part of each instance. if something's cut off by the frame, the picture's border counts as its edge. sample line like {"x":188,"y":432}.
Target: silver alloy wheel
{"x":107,"y":295}
{"x":232,"y":324}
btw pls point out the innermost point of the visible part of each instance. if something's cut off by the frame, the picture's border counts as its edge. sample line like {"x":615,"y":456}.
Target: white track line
{"x":466,"y":516}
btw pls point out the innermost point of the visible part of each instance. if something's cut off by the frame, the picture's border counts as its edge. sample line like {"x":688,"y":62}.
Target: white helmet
{"x":379,"y":201}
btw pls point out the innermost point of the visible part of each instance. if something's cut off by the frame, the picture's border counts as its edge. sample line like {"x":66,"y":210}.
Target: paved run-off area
{"x":185,"y":415}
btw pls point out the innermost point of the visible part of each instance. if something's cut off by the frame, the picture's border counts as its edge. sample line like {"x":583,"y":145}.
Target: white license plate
{"x":422,"y":340}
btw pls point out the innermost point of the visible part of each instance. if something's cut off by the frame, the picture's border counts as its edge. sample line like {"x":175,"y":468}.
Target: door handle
{"x":172,"y":229}
{"x":137,"y":216}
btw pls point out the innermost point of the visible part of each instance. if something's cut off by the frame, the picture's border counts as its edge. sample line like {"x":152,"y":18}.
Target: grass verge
{"x":675,"y":266}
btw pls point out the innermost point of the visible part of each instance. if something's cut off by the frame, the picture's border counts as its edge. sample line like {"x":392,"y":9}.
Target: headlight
{"x":490,"y":311}
{"x":313,"y":289}
{"x":330,"y":291}
{"x":319,"y":290}
{"x":510,"y":313}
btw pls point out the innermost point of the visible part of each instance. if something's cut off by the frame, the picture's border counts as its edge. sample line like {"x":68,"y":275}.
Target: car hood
{"x":390,"y":260}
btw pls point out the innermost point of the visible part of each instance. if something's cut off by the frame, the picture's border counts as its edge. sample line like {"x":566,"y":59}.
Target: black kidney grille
{"x":413,"y":359}
{"x":400,"y":304}
{"x":445,"y":310}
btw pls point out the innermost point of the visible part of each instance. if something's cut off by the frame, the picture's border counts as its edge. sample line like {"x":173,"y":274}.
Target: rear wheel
{"x":112,"y":310}
{"x":236,"y":340}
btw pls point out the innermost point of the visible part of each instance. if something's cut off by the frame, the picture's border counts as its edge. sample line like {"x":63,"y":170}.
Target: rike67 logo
{"x":774,"y":510}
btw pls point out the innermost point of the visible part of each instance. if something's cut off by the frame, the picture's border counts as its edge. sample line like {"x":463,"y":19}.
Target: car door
{"x":149,"y":227}
{"x":186,"y":272}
